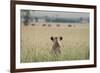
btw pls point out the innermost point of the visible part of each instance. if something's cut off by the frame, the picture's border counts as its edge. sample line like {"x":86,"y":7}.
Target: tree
{"x":26,"y":18}
{"x":36,"y":19}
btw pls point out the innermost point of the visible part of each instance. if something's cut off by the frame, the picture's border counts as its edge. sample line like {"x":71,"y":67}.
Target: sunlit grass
{"x":36,"y":44}
{"x":42,"y":55}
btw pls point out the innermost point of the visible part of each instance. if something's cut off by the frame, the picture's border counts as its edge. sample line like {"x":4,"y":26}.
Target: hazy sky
{"x":62,"y":14}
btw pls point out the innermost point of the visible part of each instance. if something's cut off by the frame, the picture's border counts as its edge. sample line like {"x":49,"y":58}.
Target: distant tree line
{"x":27,"y":18}
{"x":64,"y":20}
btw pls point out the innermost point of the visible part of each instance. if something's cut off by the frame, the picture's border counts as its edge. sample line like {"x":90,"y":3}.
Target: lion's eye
{"x":61,"y":38}
{"x":52,"y":38}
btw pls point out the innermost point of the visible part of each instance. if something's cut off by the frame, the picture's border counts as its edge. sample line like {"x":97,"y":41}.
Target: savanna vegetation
{"x":36,"y":44}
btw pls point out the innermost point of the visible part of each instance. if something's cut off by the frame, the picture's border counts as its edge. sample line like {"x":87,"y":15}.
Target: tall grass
{"x":36,"y":44}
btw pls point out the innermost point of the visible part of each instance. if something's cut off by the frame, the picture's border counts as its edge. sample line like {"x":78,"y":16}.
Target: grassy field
{"x":36,"y":44}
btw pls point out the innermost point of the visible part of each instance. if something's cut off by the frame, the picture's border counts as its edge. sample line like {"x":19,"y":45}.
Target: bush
{"x":44,"y":25}
{"x":49,"y":25}
{"x":69,"y":25}
{"x":33,"y":24}
{"x":58,"y":25}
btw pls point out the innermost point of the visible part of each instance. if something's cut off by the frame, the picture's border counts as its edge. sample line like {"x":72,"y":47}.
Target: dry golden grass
{"x":36,"y":44}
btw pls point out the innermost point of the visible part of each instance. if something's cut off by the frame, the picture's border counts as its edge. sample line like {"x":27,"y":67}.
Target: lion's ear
{"x":61,"y":38}
{"x":52,"y":38}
